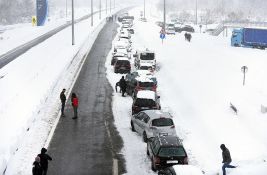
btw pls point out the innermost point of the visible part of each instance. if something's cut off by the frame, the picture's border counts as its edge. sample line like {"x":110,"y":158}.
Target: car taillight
{"x":136,"y":107}
{"x":157,"y":160}
{"x":172,"y":126}
{"x":185,"y":160}
{"x":154,"y":88}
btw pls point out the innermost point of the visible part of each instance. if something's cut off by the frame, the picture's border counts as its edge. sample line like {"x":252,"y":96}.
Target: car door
{"x":137,"y":123}
{"x":143,"y":123}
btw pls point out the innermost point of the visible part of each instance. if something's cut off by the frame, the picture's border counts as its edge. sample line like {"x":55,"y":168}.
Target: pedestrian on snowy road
{"x":44,"y":160}
{"x":226,"y":159}
{"x":37,"y":168}
{"x":63,"y":101}
{"x":75,"y":103}
{"x":123,"y":85}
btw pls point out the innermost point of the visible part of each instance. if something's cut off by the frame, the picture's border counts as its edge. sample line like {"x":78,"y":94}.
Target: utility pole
{"x":110,"y":6}
{"x":196,"y":12}
{"x":72,"y":7}
{"x":106,"y":6}
{"x":164,"y":16}
{"x":66,"y":8}
{"x":144,"y":9}
{"x":92,"y":13}
{"x":100,"y":9}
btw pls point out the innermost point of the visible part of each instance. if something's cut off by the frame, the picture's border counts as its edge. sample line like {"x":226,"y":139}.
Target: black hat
{"x":222,"y":146}
{"x":43,"y":150}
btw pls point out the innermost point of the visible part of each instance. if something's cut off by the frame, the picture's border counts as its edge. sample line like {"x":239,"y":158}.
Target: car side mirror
{"x":158,"y":96}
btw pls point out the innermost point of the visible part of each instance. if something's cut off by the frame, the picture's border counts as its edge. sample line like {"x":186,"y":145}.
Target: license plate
{"x":172,"y":161}
{"x":144,"y":108}
{"x":163,"y":134}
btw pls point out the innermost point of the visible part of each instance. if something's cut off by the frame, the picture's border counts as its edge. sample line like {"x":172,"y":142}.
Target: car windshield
{"x":161,"y":122}
{"x":145,"y":67}
{"x":147,"y":56}
{"x":123,"y":62}
{"x":172,"y":151}
{"x":140,"y":102}
{"x":146,"y":84}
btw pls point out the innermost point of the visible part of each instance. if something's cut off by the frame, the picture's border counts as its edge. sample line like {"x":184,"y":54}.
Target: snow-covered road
{"x":197,"y":82}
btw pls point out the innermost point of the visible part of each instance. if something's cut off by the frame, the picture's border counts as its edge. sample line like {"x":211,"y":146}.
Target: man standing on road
{"x":63,"y":101}
{"x":75,"y":103}
{"x":44,"y":160}
{"x":226,"y":159}
{"x":123,"y":85}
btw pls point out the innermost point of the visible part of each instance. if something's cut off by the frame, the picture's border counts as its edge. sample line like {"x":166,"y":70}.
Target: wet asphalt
{"x":84,"y":146}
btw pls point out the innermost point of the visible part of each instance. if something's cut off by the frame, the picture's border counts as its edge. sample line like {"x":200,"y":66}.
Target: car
{"x":122,"y":44}
{"x":145,"y":100}
{"x":140,"y":83}
{"x":167,"y":171}
{"x":166,"y":151}
{"x":122,"y":65}
{"x":133,"y":78}
{"x":170,"y":31}
{"x":146,"y":66}
{"x":145,"y":56}
{"x":185,"y":28}
{"x":117,"y":55}
{"x":151,"y":123}
{"x":131,"y":31}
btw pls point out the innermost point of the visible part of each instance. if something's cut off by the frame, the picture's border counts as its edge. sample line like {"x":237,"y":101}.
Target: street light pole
{"x":196,"y":12}
{"x":106,"y":6}
{"x":144,"y":8}
{"x":92,"y":15}
{"x":164,"y":16}
{"x":72,"y":7}
{"x":110,"y":6}
{"x":100,"y":9}
{"x":66,"y":8}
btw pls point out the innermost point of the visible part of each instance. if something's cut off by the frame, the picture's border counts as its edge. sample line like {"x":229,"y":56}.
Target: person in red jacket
{"x":75,"y":103}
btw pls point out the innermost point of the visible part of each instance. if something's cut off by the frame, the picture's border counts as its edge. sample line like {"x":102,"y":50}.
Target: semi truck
{"x":249,"y":37}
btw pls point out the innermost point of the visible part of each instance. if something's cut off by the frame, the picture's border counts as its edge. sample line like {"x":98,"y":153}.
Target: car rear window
{"x":144,"y":102}
{"x":172,"y":151}
{"x":161,"y":122}
{"x":147,"y":56}
{"x":123,"y":62}
{"x":146,"y":84}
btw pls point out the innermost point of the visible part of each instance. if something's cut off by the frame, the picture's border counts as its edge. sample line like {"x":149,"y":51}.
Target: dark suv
{"x":122,"y":65}
{"x":165,"y":151}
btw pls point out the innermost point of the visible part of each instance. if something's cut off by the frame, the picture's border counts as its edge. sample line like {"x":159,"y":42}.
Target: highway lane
{"x":89,"y":144}
{"x":14,"y":53}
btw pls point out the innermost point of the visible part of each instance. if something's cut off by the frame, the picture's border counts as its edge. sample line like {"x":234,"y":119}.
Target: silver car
{"x":150,"y":123}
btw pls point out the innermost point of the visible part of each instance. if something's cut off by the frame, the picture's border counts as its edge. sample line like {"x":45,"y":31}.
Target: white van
{"x":145,"y":56}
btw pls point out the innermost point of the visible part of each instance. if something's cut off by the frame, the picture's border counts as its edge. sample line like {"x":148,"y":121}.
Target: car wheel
{"x":144,"y":137}
{"x":147,"y":152}
{"x":152,"y":166}
{"x":132,"y":126}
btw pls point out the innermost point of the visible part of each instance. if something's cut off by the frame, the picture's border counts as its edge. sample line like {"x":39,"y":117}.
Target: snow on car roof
{"x":119,"y":54}
{"x":143,"y":79}
{"x":158,"y":114}
{"x":123,"y":58}
{"x":146,"y":94}
{"x":143,"y":72}
{"x":145,"y":64}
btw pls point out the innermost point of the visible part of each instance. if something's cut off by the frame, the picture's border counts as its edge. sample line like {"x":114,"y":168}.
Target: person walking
{"x":123,"y":85}
{"x":44,"y":158}
{"x":226,"y":159}
{"x":37,"y":168}
{"x":75,"y":103}
{"x":63,"y":101}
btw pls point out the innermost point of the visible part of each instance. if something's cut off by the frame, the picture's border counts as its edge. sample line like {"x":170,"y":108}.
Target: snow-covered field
{"x":197,"y":83}
{"x":30,"y":86}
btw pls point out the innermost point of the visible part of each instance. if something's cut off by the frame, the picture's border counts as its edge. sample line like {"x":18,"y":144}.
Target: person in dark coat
{"x":75,"y":103}
{"x":123,"y":85}
{"x":44,"y":158}
{"x":63,"y":101}
{"x":226,"y":158}
{"x":37,"y":169}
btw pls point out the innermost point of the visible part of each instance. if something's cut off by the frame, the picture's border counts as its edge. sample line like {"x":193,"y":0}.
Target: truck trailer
{"x":249,"y":37}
